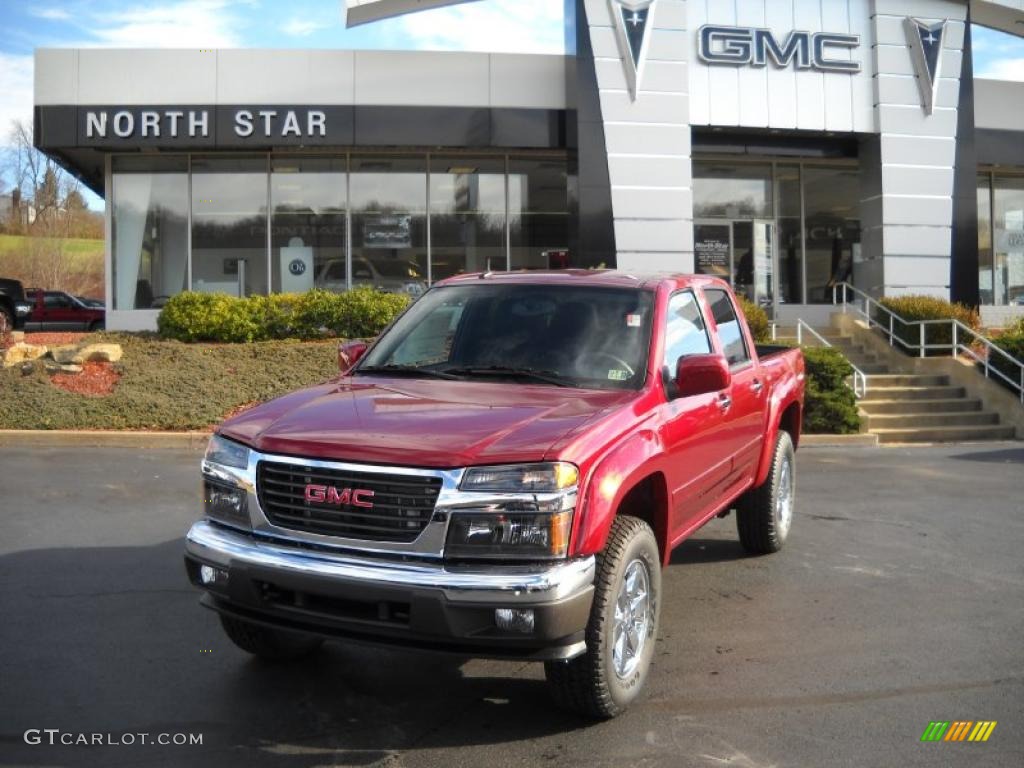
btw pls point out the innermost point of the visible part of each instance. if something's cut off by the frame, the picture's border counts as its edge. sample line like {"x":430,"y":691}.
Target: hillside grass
{"x":167,"y":385}
{"x":74,"y":246}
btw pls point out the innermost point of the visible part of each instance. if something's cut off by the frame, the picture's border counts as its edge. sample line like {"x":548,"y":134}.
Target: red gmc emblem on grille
{"x":339,"y":497}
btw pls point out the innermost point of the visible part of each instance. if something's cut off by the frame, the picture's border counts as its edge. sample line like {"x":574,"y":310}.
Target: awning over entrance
{"x":365,"y":11}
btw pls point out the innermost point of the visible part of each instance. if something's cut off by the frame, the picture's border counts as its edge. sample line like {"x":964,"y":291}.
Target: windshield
{"x":564,"y":335}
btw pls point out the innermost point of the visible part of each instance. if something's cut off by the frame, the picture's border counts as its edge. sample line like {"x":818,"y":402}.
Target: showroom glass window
{"x":308,"y":200}
{"x":388,"y":196}
{"x":229,"y":225}
{"x":538,"y":213}
{"x":791,"y":259}
{"x":986,"y":286}
{"x":467,"y":215}
{"x":831,"y":229}
{"x":150,"y":230}
{"x":732,"y":191}
{"x":1008,"y":239}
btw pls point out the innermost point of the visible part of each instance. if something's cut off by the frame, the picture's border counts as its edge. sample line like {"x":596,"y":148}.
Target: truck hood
{"x":421,"y":422}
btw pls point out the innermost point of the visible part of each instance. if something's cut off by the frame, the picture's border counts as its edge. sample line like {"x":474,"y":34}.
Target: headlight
{"x":227,"y":453}
{"x":519,"y":478}
{"x":225,"y":503}
{"x":504,"y":535}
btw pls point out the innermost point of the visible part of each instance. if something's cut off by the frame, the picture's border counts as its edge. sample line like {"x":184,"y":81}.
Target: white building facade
{"x":787,"y":145}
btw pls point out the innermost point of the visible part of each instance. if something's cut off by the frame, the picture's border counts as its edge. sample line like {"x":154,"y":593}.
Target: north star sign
{"x":756,"y":47}
{"x":195,"y":123}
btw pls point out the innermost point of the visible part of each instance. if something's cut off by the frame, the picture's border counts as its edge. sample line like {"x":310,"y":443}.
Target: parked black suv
{"x":14,"y":309}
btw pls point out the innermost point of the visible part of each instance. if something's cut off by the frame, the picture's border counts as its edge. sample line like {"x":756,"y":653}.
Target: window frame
{"x":749,"y":361}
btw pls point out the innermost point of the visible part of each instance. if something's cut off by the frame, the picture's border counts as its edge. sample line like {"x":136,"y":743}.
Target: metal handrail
{"x":960,"y":333}
{"x":860,"y":379}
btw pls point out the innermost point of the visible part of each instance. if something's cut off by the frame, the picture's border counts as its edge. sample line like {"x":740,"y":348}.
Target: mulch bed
{"x":95,"y":380}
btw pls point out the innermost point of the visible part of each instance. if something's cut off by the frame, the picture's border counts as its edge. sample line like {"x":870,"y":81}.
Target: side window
{"x":685,"y":331}
{"x":55,"y":301}
{"x":729,"y":329}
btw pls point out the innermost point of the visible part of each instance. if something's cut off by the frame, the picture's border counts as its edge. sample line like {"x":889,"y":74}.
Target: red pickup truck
{"x":59,"y":311}
{"x":504,"y":473}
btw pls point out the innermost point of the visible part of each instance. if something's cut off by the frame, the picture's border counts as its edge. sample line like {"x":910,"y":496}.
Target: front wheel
{"x":6,"y":322}
{"x":268,"y":643}
{"x":764,"y":514}
{"x":622,"y":628}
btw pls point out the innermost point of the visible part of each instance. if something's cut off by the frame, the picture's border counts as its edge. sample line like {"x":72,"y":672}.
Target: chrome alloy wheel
{"x":632,"y":619}
{"x":785,"y":496}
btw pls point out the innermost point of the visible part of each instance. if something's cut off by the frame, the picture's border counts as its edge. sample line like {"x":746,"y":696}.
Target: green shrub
{"x":912,"y":308}
{"x":1013,"y":344}
{"x":829,"y":404}
{"x":360,"y":313}
{"x":757,"y":319}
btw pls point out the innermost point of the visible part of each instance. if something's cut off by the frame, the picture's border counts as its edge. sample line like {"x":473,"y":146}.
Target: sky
{"x":524,"y":26}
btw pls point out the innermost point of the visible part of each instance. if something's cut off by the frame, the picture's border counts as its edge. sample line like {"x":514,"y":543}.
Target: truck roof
{"x":608,"y":278}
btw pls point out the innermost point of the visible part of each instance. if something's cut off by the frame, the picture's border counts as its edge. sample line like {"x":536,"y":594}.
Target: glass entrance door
{"x":741,"y":251}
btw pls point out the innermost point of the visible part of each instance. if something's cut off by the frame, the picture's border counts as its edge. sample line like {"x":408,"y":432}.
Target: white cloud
{"x":301,"y":27}
{"x":52,"y":14}
{"x":187,"y":24}
{"x":1003,"y":69}
{"x":499,"y":26}
{"x":15,"y":91}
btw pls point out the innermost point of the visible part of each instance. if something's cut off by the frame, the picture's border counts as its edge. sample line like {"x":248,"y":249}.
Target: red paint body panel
{"x":699,"y":455}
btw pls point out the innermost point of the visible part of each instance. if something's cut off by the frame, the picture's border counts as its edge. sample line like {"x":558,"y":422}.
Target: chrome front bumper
{"x":418,"y":604}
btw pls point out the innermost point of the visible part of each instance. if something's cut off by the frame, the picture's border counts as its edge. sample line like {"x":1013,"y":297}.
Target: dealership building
{"x":786,"y":145}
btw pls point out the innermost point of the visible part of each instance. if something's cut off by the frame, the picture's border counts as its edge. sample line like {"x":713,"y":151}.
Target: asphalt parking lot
{"x":899,"y":600}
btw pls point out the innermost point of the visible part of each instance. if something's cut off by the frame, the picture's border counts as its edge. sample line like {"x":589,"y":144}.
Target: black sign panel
{"x":711,"y":247}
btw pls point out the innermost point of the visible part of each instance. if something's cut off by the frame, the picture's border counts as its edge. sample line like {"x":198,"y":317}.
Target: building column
{"x":634,"y":155}
{"x":907,"y":196}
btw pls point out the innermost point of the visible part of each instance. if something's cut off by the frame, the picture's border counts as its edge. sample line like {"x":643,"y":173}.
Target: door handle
{"x":725,"y":402}
{"x":757,"y":386}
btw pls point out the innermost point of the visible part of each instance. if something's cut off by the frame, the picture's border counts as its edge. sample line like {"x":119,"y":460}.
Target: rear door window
{"x":734,"y":346}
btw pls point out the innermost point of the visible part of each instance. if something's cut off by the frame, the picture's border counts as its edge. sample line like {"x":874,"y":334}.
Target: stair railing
{"x":860,"y":379}
{"x":964,"y":340}
{"x":859,"y":383}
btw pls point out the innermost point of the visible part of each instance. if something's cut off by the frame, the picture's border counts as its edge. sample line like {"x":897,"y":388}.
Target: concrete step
{"x":873,"y":369}
{"x":945,"y":434}
{"x":957,"y":405}
{"x":913,"y":393}
{"x":885,"y":421}
{"x":907,"y":380}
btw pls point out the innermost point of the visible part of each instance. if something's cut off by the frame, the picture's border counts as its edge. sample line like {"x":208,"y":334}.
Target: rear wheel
{"x":96,"y":325}
{"x":268,"y":643}
{"x":764,"y":514}
{"x":622,"y":628}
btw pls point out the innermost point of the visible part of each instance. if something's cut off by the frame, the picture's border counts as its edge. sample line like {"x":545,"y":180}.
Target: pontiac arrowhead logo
{"x":633,"y":23}
{"x":926,"y":50}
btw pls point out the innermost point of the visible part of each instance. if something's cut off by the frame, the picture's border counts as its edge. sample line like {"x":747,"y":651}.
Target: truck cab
{"x":504,"y":473}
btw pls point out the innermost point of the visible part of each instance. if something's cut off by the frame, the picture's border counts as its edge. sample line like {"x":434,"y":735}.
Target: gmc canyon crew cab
{"x":503,"y":473}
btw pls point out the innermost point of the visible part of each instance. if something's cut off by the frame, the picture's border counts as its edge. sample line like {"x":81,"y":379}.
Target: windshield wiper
{"x":548,"y":377}
{"x":407,"y":370}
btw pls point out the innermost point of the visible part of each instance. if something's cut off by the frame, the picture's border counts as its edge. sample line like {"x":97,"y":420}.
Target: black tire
{"x":761,"y":520}
{"x":96,"y":325}
{"x":590,"y":684}
{"x":6,"y":321}
{"x":268,"y":643}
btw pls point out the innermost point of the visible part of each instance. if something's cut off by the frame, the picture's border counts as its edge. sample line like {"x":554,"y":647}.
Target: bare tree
{"x":44,"y":185}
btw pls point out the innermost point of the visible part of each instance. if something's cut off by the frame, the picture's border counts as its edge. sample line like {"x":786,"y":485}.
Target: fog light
{"x":211,"y":576}
{"x":514,"y":619}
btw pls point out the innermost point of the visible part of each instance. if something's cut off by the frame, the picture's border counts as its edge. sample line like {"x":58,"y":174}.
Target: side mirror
{"x":701,"y":374}
{"x":350,"y":353}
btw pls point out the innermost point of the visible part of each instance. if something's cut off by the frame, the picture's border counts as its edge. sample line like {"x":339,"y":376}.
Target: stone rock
{"x":53,"y":368}
{"x":102,"y":353}
{"x":17,"y":336}
{"x":22,"y":352}
{"x":69,"y":354}
{"x":28,"y":368}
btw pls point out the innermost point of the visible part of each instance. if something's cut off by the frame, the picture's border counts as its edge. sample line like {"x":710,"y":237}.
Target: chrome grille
{"x":402,"y":504}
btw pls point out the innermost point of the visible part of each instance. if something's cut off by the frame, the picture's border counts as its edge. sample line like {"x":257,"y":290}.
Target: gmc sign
{"x":755,"y":47}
